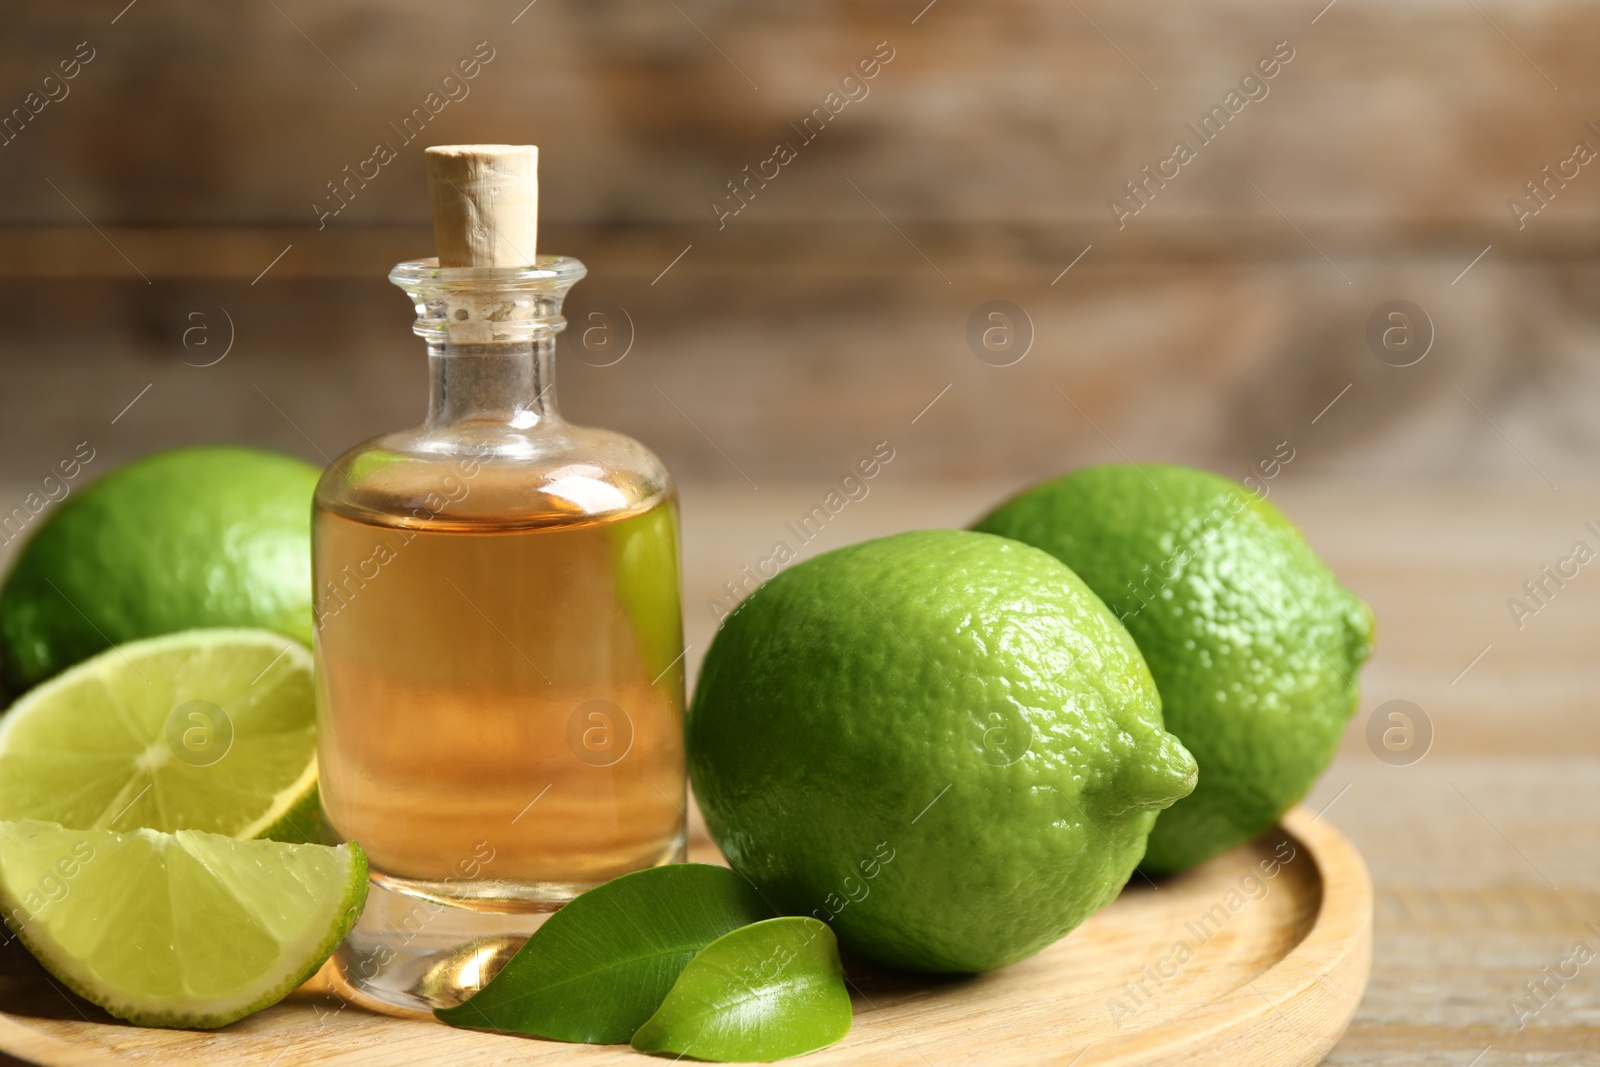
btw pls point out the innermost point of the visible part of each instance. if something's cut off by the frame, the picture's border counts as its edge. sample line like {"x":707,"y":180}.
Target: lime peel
{"x":1252,"y":641}
{"x":941,"y":743}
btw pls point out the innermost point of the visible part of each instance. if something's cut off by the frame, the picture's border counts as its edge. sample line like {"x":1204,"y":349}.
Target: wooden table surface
{"x":1485,"y":853}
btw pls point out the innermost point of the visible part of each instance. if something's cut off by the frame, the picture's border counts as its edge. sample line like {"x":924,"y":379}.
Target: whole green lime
{"x":196,"y":537}
{"x":940,"y":743}
{"x":1252,"y":640}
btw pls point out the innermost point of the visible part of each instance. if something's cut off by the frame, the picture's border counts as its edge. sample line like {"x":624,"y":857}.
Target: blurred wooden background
{"x":139,"y":210}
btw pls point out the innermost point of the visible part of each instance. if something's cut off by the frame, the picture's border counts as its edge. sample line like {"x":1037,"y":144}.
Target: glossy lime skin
{"x":196,"y":537}
{"x":941,"y":743}
{"x":1252,"y":640}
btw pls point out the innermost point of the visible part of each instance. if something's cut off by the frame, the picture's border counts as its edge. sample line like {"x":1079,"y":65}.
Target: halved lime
{"x":210,"y":730}
{"x":186,"y":929}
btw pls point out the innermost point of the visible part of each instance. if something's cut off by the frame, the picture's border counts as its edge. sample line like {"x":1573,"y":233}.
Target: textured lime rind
{"x":180,"y":930}
{"x":1252,"y":640}
{"x":196,"y":537}
{"x":105,"y":745}
{"x":941,"y":743}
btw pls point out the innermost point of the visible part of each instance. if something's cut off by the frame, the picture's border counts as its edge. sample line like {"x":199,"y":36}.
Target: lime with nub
{"x":196,"y":537}
{"x":941,"y":743}
{"x":1252,"y":640}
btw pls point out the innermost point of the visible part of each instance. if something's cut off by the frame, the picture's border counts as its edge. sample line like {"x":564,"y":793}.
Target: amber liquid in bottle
{"x":499,"y":644}
{"x":510,"y":690}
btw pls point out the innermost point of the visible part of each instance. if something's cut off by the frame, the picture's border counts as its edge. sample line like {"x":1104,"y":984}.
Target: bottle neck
{"x":491,"y":335}
{"x":497,"y":384}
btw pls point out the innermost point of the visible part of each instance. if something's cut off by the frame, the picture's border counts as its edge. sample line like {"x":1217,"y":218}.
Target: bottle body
{"x":500,"y":677}
{"x":504,"y":698}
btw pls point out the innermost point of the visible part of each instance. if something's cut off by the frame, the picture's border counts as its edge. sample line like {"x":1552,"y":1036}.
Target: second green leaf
{"x":764,"y":992}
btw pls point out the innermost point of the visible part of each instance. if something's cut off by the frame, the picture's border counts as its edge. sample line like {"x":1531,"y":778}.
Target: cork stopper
{"x":485,"y":204}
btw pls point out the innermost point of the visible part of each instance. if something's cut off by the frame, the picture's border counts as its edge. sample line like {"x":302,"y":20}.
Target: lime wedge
{"x":210,"y":730}
{"x":186,"y":929}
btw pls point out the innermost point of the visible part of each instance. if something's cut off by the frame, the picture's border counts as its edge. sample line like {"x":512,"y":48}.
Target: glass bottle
{"x":499,"y":648}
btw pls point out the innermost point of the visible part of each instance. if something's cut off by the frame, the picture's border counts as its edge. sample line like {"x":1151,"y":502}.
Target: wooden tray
{"x":1258,"y":957}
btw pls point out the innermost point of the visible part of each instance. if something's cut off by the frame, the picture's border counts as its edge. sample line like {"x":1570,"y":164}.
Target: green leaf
{"x":763,"y":992}
{"x":598,"y":967}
